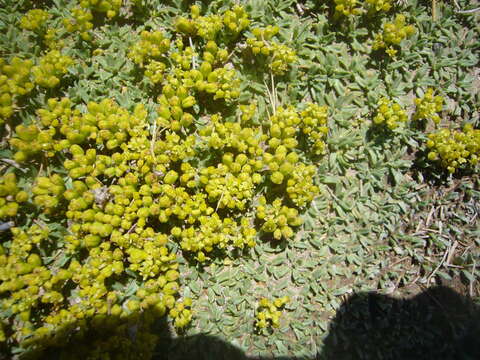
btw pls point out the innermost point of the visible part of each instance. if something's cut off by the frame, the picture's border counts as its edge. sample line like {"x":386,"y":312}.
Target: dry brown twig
{"x":471,"y":282}
{"x":451,"y":252}
{"x":430,"y":277}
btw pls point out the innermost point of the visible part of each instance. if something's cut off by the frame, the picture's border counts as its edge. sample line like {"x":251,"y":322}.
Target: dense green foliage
{"x":151,"y":150}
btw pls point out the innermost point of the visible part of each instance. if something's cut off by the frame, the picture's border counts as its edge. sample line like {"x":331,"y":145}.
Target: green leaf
{"x":224,"y":276}
{"x":468,"y":274}
{"x":280,"y":272}
{"x":279,"y":260}
{"x":195,"y":287}
{"x":281,"y":347}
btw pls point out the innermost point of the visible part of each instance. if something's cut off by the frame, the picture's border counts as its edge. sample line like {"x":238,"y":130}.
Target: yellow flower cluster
{"x":380,"y":5}
{"x":269,"y":314}
{"x":208,"y":27}
{"x":455,"y":148}
{"x":14,"y":81}
{"x":286,"y":122}
{"x":52,"y":40}
{"x":452,"y":149}
{"x":300,"y":187}
{"x":247,"y":112}
{"x":128,"y":187}
{"x":230,"y":185}
{"x":314,"y":125}
{"x":52,"y":66}
{"x":181,"y":81}
{"x":204,"y":26}
{"x":190,"y":73}
{"x":236,"y":20}
{"x":22,"y":275}
{"x":219,"y":134}
{"x":112,"y":124}
{"x":213,"y":232}
{"x":30,"y":140}
{"x":170,"y":110}
{"x":178,"y":95}
{"x":58,"y":112}
{"x":154,"y":71}
{"x":111,"y":222}
{"x":10,"y":196}
{"x":47,"y":192}
{"x":105,"y":123}
{"x":109,"y":7}
{"x":390,"y":113}
{"x":153,"y":258}
{"x":279,"y":56}
{"x":356,"y":7}
{"x":177,"y":202}
{"x":173,"y":148}
{"x":284,"y":125}
{"x":281,"y":163}
{"x":152,"y":46}
{"x":277,"y":218}
{"x":222,"y":82}
{"x":392,"y":35}
{"x":428,"y":107}
{"x":34,"y":19}
{"x":182,"y":313}
{"x":81,"y":23}
{"x":347,"y":7}
{"x":184,"y":56}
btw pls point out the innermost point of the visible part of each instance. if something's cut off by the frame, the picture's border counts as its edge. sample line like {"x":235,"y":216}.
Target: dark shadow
{"x":437,"y":324}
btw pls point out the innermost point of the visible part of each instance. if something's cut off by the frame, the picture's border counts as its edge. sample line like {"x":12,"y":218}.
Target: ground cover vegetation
{"x":184,"y":159}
